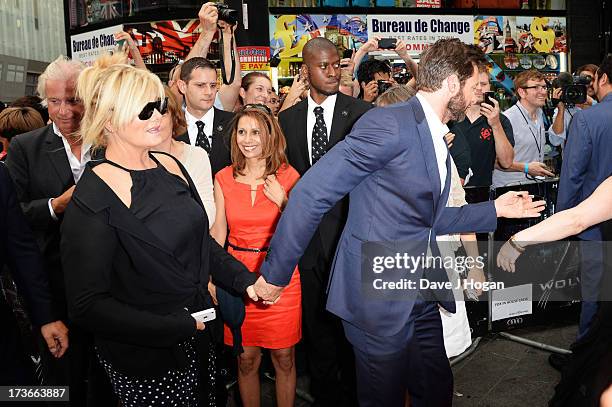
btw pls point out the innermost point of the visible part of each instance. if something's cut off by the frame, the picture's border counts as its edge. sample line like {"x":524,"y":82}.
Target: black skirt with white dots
{"x":175,"y":388}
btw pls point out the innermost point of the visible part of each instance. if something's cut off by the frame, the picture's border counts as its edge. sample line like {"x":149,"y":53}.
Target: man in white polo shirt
{"x":527,"y":119}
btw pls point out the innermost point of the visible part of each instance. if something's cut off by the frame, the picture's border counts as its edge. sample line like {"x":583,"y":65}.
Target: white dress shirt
{"x":328,"y":106}
{"x":77,"y":164}
{"x":192,"y":129}
{"x":438,"y":130}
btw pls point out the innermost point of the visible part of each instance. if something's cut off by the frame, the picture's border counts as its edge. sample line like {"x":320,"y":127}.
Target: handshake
{"x":261,"y":290}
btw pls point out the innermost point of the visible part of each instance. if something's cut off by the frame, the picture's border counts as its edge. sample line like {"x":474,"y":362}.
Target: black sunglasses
{"x":258,"y":106}
{"x":161,"y":105}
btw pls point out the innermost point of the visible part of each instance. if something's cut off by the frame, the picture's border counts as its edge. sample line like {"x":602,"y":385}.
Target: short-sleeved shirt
{"x":481,"y":141}
{"x":529,"y":142}
{"x":460,"y":151}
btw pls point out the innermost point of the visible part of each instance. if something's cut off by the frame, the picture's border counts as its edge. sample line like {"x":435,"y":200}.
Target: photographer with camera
{"x":488,"y":134}
{"x":375,"y":76}
{"x":569,"y":100}
{"x":527,"y":119}
{"x":215,"y":17}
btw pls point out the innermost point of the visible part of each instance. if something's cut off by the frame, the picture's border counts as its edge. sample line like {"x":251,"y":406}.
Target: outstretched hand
{"x":517,"y":205}
{"x":269,"y":293}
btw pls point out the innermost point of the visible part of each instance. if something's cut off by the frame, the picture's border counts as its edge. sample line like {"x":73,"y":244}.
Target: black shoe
{"x":558,"y":361}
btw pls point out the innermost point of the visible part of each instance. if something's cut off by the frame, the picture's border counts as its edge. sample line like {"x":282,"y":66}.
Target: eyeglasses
{"x":161,"y":105}
{"x":536,"y":87}
{"x":258,"y":106}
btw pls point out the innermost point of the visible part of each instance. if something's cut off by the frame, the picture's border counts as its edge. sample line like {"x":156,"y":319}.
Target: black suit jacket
{"x":38,"y":164}
{"x":126,"y":287}
{"x":220,"y":153}
{"x":19,"y":251}
{"x":293,"y":122}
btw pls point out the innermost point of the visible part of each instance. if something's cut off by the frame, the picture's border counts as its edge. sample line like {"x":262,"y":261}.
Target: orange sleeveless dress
{"x":275,"y":326}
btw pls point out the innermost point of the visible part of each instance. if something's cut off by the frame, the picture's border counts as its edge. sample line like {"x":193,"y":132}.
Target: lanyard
{"x":532,"y":133}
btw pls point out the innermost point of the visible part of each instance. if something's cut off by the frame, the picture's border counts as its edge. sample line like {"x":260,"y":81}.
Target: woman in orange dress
{"x":249,"y":196}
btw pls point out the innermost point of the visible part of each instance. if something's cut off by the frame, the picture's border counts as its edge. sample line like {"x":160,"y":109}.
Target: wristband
{"x":526,"y":170}
{"x":515,"y":245}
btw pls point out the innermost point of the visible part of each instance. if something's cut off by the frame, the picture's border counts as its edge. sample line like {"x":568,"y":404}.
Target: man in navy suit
{"x":586,"y":164}
{"x":396,"y":168}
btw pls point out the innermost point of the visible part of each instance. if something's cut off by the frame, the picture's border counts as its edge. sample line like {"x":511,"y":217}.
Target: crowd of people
{"x":127,"y":206}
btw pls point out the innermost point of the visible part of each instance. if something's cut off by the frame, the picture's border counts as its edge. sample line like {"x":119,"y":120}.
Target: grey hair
{"x":62,"y":69}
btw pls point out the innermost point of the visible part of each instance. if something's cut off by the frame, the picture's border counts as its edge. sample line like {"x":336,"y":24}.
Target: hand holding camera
{"x":489,"y":108}
{"x":212,"y":13}
{"x":208,"y":17}
{"x":370,"y":91}
{"x":401,"y":50}
{"x":570,"y":90}
{"x":347,"y":60}
{"x":370,"y":45}
{"x":387,"y":43}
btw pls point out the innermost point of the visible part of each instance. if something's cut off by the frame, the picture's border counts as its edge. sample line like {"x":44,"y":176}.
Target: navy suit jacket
{"x":388,"y":166}
{"x":587,"y":158}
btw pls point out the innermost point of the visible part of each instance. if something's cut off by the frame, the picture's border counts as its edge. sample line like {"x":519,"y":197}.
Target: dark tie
{"x":319,"y":136}
{"x":202,"y":138}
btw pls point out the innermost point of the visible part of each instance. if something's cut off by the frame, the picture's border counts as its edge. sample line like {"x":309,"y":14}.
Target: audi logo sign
{"x":514,"y":321}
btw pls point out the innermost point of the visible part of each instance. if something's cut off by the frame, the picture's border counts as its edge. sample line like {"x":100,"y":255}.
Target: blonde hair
{"x":113,"y":92}
{"x":62,"y":69}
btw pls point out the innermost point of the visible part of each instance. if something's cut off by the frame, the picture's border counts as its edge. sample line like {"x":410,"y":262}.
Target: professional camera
{"x":573,"y":88}
{"x":227,"y":14}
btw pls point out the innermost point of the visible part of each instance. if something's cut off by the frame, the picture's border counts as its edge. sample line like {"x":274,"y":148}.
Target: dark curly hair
{"x":369,"y":68}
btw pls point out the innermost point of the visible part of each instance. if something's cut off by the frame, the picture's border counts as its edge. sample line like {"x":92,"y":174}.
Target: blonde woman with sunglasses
{"x":136,"y":251}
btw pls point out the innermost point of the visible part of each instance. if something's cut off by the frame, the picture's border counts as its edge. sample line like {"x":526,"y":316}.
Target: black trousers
{"x":328,"y":353}
{"x":79,"y":369}
{"x":413,"y":360}
{"x":15,"y":366}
